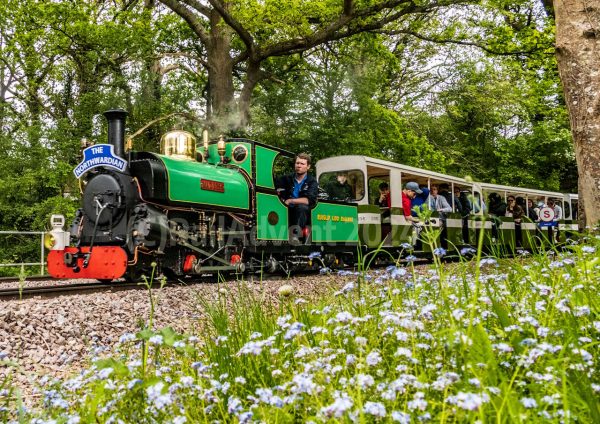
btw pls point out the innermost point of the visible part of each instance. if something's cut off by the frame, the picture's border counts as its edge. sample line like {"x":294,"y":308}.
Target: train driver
{"x":299,"y":192}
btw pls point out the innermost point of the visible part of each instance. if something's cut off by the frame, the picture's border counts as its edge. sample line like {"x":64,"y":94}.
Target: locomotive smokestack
{"x":116,"y":130}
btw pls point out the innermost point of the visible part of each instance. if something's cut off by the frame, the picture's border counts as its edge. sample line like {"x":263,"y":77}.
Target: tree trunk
{"x":578,"y":56}
{"x":220,"y":75}
{"x":252,"y":78}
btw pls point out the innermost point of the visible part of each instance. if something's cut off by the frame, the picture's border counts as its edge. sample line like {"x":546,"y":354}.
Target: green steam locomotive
{"x":190,"y":210}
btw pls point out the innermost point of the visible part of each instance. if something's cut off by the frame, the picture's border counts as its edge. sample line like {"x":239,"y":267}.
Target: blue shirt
{"x":419,"y":200}
{"x":298,"y":186}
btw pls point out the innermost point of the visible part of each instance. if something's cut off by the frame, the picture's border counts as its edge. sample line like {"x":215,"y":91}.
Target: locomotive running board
{"x":105,"y":263}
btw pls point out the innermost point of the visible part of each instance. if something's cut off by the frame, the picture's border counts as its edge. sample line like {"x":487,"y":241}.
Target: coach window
{"x":331,"y":183}
{"x":567,"y":210}
{"x":374,"y":191}
{"x":479,"y":206}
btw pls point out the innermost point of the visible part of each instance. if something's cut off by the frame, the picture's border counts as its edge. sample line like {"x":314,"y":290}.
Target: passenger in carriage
{"x":340,"y":189}
{"x":413,"y":198}
{"x":299,"y":192}
{"x":518,"y":212}
{"x":409,"y":192}
{"x":497,"y":208}
{"x":385,"y":200}
{"x":520,"y":201}
{"x":453,"y":199}
{"x":466,"y":206}
{"x":531,"y":210}
{"x":438,"y":203}
{"x":558,"y":214}
{"x":514,"y":209}
{"x":465,"y":203}
{"x":419,"y":200}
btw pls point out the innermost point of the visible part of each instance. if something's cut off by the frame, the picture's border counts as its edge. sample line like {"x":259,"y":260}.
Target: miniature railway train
{"x":193,"y":210}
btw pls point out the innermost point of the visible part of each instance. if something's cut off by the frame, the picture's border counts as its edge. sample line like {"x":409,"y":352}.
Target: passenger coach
{"x":390,"y":229}
{"x":375,"y":227}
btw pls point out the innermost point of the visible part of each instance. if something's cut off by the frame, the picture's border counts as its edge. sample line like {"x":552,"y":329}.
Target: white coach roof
{"x":369,"y":166}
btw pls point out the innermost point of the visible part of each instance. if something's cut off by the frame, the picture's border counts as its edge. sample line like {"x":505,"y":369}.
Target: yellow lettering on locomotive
{"x":334,"y":218}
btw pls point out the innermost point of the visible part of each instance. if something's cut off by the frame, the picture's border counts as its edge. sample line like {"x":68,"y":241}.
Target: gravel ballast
{"x":57,"y":336}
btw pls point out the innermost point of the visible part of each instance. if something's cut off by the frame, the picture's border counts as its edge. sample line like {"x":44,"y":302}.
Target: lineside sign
{"x":547,"y":217}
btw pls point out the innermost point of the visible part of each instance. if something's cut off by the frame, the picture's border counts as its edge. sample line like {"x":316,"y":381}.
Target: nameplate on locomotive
{"x":211,"y":185}
{"x":99,"y":155}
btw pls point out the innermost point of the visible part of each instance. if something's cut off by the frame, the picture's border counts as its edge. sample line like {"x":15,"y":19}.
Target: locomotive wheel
{"x":133,"y":275}
{"x":170,"y":275}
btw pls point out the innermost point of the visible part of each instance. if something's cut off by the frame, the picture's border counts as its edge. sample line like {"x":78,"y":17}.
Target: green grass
{"x":479,"y":341}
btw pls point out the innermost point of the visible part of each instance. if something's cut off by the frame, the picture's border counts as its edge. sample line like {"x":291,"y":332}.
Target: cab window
{"x":343,"y":185}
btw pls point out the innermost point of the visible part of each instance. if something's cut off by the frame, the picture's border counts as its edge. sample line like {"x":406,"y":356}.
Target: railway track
{"x":7,"y":280}
{"x":97,"y":286}
{"x":62,"y":287}
{"x":25,"y":292}
{"x":54,"y":290}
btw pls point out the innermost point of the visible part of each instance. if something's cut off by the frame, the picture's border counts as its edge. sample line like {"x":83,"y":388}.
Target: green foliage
{"x":336,"y":108}
{"x":497,"y":128}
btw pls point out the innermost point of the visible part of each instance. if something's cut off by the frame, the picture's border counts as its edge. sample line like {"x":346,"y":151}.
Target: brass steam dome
{"x":178,"y":144}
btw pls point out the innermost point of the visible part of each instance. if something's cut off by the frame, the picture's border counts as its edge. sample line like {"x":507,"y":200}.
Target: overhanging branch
{"x":440,"y":40}
{"x":198,"y":6}
{"x":350,"y":15}
{"x":188,"y":16}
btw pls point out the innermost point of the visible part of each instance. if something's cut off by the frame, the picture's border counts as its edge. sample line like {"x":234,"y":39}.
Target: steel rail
{"x":78,"y":288}
{"x":4,"y":280}
{"x":27,"y":292}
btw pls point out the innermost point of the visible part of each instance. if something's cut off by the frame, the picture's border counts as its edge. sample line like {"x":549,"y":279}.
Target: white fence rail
{"x":41,"y":263}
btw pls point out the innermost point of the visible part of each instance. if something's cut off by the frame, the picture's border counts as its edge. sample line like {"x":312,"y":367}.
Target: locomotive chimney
{"x":116,"y":130}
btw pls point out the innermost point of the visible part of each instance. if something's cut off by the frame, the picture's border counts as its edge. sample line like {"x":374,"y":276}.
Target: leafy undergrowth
{"x":479,"y":343}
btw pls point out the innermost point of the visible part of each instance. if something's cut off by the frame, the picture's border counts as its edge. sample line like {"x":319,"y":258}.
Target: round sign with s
{"x":547,"y":214}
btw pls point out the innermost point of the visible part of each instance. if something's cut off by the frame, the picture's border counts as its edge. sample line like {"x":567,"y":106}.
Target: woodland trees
{"x":239,"y":36}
